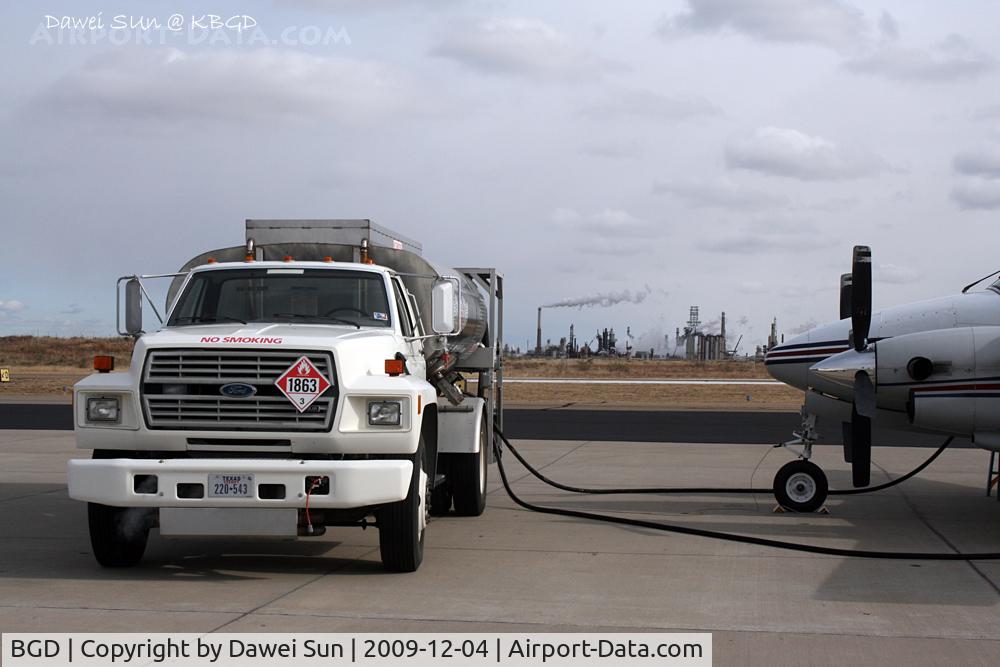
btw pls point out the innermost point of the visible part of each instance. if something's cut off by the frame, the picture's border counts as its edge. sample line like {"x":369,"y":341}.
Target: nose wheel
{"x":800,"y":486}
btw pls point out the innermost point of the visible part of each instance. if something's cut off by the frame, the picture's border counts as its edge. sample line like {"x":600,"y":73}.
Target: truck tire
{"x":401,"y":525}
{"x":118,"y":535}
{"x":467,"y":473}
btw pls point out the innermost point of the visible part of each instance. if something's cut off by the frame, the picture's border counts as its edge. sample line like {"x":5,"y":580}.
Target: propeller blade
{"x":861,"y":296}
{"x":864,"y":394}
{"x":848,"y":445}
{"x":861,"y":448}
{"x":845,"y":296}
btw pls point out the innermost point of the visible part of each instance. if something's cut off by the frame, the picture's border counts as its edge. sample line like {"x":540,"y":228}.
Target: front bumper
{"x":352,"y":483}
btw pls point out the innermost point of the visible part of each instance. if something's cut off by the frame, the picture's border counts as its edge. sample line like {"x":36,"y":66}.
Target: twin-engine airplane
{"x":920,"y":368}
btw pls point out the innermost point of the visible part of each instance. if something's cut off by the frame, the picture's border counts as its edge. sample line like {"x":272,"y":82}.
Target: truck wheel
{"x":468,"y":477}
{"x":117,"y":534}
{"x":401,"y":524}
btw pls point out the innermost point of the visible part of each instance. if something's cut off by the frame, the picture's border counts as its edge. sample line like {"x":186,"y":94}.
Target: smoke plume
{"x":603,"y":300}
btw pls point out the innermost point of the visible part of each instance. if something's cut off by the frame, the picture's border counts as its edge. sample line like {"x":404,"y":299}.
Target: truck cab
{"x":282,"y":395}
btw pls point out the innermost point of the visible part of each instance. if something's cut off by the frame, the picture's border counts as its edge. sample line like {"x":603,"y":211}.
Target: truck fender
{"x":458,"y":426}
{"x":429,"y":428}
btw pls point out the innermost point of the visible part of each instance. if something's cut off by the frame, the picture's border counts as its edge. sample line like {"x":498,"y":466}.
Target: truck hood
{"x":260,"y":335}
{"x":357,"y":352}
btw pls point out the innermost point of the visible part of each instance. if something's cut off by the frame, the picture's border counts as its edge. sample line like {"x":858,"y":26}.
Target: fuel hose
{"x":714,"y":534}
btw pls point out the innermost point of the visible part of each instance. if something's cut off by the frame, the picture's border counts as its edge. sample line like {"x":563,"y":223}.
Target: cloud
{"x":987,"y":113}
{"x":608,"y":224}
{"x":231,"y":85}
{"x":786,"y":152}
{"x":888,"y":27}
{"x":977,"y":194}
{"x":763,"y":236}
{"x":612,"y":150}
{"x":72,"y":309}
{"x":952,"y":59}
{"x":609,"y":232}
{"x":895,"y":274}
{"x":828,"y":23}
{"x":521,"y":47}
{"x":978,"y":179}
{"x":646,"y":104}
{"x":719,"y":194}
{"x":750,"y":287}
{"x":870,"y":48}
{"x":367,"y":6}
{"x":985,"y":163}
{"x":11,"y":306}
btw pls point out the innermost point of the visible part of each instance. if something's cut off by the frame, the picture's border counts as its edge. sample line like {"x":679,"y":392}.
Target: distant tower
{"x":772,"y":340}
{"x":693,"y":322}
{"x":538,"y":345}
{"x":722,"y":335}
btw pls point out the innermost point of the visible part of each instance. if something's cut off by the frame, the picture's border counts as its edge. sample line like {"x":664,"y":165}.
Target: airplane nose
{"x":835,"y":375}
{"x":793,"y":374}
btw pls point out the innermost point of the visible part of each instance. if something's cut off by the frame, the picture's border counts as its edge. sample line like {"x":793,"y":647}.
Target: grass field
{"x":48,"y":366}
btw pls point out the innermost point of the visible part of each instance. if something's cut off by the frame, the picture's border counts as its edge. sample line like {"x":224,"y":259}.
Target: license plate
{"x":230,"y":486}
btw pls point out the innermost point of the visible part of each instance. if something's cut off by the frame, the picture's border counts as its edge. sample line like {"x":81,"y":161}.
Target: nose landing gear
{"x":801,"y":486}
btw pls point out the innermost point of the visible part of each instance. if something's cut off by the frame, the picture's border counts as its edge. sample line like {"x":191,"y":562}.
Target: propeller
{"x":845,"y":296}
{"x":861,"y":296}
{"x":856,"y":291}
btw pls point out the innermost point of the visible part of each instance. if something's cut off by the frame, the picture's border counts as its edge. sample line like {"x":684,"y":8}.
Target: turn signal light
{"x":104,"y":363}
{"x":395,"y":367}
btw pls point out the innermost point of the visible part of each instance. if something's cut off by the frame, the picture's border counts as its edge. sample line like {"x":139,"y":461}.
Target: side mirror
{"x":444,"y":307}
{"x":133,"y":307}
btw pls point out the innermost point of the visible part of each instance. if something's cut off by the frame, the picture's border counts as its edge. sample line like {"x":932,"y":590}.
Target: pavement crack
{"x":32,"y":495}
{"x":290,"y":591}
{"x":941,"y":536}
{"x":543,"y":467}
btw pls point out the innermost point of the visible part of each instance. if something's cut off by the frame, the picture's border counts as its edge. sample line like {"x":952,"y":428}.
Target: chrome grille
{"x":181,"y":391}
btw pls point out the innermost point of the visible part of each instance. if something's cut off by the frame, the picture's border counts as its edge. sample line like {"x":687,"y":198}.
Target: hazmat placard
{"x":302,"y":383}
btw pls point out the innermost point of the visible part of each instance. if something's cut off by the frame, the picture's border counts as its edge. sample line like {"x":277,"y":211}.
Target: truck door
{"x":415,"y":361}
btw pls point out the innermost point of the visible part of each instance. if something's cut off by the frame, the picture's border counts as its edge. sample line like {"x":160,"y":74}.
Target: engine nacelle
{"x":946,"y":380}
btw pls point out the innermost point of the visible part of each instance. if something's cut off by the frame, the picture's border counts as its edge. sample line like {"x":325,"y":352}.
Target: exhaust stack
{"x":538,"y":342}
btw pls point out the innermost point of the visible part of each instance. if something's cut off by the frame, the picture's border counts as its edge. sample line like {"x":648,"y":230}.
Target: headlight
{"x":384,"y":413}
{"x":103,"y":410}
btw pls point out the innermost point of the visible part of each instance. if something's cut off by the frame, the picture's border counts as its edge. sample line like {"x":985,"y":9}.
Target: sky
{"x":646,"y":156}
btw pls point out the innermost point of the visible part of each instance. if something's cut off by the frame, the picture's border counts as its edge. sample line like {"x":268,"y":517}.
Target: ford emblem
{"x":238,"y":390}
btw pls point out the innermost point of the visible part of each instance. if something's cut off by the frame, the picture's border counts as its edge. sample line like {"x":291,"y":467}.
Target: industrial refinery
{"x":694,"y":341}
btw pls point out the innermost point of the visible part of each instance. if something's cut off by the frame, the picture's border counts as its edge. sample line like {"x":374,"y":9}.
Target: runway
{"x":568,"y":423}
{"x":633,"y":381}
{"x":515,"y":571}
{"x":545,"y":424}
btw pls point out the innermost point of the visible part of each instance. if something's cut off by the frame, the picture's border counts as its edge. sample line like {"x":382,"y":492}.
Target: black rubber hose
{"x":714,"y":534}
{"x":694,"y":490}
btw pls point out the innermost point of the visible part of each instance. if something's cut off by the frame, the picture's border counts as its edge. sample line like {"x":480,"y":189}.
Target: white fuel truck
{"x":315,"y":376}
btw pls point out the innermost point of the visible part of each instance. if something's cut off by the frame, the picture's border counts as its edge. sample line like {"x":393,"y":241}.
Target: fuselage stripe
{"x":810,"y":352}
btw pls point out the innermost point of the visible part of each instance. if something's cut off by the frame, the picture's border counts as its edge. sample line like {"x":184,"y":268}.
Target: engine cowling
{"x":946,"y":380}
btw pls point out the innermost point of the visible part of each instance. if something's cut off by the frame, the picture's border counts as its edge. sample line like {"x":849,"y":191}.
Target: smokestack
{"x":538,"y":345}
{"x":722,"y":333}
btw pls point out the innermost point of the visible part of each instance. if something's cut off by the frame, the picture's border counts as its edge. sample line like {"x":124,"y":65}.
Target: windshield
{"x":318,"y":296}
